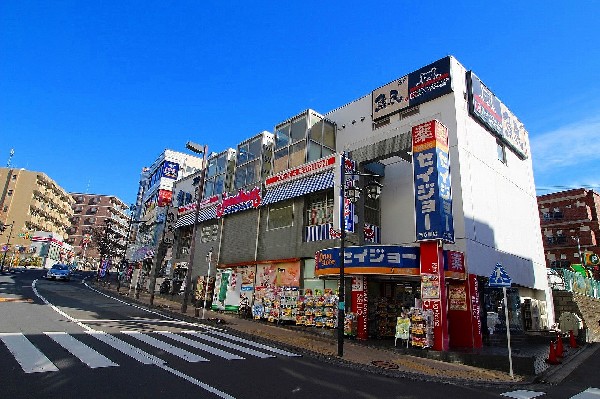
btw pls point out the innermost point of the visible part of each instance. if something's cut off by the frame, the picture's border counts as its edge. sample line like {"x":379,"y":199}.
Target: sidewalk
{"x":376,"y":356}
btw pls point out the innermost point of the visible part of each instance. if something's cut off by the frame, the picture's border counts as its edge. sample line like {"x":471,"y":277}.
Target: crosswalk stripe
{"x":590,"y":393}
{"x":26,"y":354}
{"x":200,"y":345}
{"x":126,"y":348}
{"x":255,"y":344}
{"x":522,"y":394}
{"x":86,"y":354}
{"x":228,"y":344}
{"x":182,"y":353}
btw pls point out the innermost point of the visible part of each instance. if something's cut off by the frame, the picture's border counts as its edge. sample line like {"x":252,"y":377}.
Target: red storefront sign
{"x":432,"y":276}
{"x":164,"y":197}
{"x":308,"y":169}
{"x":359,"y":305}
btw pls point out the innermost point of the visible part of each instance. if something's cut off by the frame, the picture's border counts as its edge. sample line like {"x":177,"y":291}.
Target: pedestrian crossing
{"x":590,"y":393}
{"x":143,"y":347}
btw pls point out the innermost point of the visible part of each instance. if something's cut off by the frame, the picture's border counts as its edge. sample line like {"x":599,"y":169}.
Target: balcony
{"x":554,"y":241}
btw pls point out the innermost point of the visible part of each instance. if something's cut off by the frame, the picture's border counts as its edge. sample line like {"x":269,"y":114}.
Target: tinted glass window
{"x":298,"y":130}
{"x":280,"y":160}
{"x":282,"y":137}
{"x":254,"y":149}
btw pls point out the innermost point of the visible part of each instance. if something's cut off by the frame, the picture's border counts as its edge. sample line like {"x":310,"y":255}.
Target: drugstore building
{"x":458,"y":198}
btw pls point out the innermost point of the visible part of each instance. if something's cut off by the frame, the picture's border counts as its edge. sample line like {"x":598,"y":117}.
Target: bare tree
{"x":107,"y":240}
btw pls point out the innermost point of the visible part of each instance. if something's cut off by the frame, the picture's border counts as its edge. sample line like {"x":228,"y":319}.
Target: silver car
{"x":60,"y":272}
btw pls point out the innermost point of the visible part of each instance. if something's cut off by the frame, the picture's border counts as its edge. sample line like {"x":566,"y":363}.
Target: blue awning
{"x":205,"y":214}
{"x":298,"y":188}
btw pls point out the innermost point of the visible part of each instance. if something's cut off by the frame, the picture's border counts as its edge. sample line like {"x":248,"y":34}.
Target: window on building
{"x":14,"y":177}
{"x":307,"y":138}
{"x":501,"y":149}
{"x":216,"y":172}
{"x":9,"y":193}
{"x":280,"y":217}
{"x":320,"y":208}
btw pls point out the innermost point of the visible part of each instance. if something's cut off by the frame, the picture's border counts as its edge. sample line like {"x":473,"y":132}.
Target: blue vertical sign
{"x":431,"y":171}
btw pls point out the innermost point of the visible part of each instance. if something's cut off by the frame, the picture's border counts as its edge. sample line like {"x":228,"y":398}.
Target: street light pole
{"x":341,"y":304}
{"x":199,"y":189}
{"x":373,"y":190}
{"x":208,"y":259}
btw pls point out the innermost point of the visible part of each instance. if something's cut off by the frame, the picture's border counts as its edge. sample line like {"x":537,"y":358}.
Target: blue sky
{"x":91,"y":92}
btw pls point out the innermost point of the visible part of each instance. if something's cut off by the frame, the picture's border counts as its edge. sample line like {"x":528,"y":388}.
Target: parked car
{"x":60,"y":272}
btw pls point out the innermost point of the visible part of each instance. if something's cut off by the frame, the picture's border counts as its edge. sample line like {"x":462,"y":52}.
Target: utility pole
{"x":199,"y":191}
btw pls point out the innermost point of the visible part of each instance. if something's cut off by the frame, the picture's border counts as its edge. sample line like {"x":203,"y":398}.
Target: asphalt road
{"x":66,"y":340}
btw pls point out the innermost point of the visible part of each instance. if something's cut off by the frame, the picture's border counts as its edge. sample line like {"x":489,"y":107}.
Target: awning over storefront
{"x":205,"y":214}
{"x":298,"y":188}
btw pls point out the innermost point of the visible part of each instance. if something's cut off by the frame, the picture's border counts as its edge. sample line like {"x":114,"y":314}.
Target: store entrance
{"x":389,"y":299}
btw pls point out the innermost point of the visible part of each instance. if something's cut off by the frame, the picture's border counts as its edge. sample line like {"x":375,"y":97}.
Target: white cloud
{"x":569,"y":145}
{"x":567,"y":157}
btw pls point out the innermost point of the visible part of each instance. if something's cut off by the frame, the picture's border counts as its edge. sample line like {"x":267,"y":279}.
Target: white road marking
{"x":26,"y":354}
{"x":590,"y":393}
{"x":522,"y":394}
{"x":132,"y":351}
{"x":182,"y":353}
{"x":126,"y":348}
{"x":200,"y":345}
{"x":77,"y":348}
{"x":255,"y":344}
{"x":228,"y":344}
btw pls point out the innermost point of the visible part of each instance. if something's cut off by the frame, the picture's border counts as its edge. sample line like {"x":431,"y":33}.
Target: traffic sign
{"x":499,"y":277}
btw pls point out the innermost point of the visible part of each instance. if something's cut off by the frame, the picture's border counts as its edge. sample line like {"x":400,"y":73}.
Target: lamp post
{"x":208,"y":259}
{"x":7,"y":243}
{"x":199,"y":188}
{"x":353,"y":192}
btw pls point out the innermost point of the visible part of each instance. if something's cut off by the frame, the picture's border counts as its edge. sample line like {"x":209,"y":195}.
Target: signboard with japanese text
{"x":433,"y":290}
{"x":240,"y":202}
{"x":418,"y":87}
{"x":360,"y":305}
{"x":396,"y":260}
{"x":454,"y":264}
{"x":496,"y":116}
{"x":164,"y":197}
{"x":170,"y":170}
{"x":311,"y":168}
{"x":369,"y":259}
{"x":431,"y":170}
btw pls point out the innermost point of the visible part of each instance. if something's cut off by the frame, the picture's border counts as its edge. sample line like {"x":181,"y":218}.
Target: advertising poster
{"x":430,"y":286}
{"x":457,"y":297}
{"x":227,"y":290}
{"x":247,"y":274}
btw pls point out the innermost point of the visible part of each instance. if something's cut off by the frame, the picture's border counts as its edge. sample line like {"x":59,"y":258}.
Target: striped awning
{"x":298,"y":188}
{"x":204,"y":214}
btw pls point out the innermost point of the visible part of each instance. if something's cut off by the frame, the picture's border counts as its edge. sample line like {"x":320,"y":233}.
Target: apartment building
{"x":32,"y":201}
{"x":570,"y":226}
{"x":92,"y":211}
